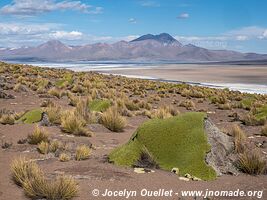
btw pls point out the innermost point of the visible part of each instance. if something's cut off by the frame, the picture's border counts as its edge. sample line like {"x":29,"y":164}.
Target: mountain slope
{"x":162,"y":47}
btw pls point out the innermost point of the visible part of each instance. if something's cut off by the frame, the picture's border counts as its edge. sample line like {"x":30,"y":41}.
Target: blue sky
{"x":226,"y":24}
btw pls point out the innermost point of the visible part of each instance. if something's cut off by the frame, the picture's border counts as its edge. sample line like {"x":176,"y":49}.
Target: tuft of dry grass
{"x":161,"y":113}
{"x":38,"y":136}
{"x":22,"y":169}
{"x":43,"y":147}
{"x":112,"y":120}
{"x":251,"y":162}
{"x":56,"y":92}
{"x":74,"y":124}
{"x":82,"y":152}
{"x":82,"y":109}
{"x":239,"y":139}
{"x":7,"y":119}
{"x":55,"y":145}
{"x":63,"y":157}
{"x":188,"y":104}
{"x":30,"y":177}
{"x":54,"y":114}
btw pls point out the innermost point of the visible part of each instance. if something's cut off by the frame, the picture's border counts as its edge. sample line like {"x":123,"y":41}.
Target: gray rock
{"x":45,"y":120}
{"x":222,"y":148}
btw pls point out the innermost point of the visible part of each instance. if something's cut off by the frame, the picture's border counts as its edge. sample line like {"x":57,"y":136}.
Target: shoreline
{"x":244,"y":88}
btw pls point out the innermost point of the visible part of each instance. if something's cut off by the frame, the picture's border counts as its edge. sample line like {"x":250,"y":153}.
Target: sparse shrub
{"x":43,"y":147}
{"x":30,"y":177}
{"x":73,"y":124}
{"x":82,"y":152}
{"x":130,"y":105}
{"x":239,"y":139}
{"x":54,"y":114}
{"x":56,"y":92}
{"x":225,"y":106}
{"x":112,"y":120}
{"x":161,"y":113}
{"x":251,"y":162}
{"x":82,"y":109}
{"x":55,"y":145}
{"x":188,"y":104}
{"x":251,"y":120}
{"x":218,"y":99}
{"x":63,"y":157}
{"x":22,"y":170}
{"x":7,"y":119}
{"x":47,"y":103}
{"x":38,"y":136}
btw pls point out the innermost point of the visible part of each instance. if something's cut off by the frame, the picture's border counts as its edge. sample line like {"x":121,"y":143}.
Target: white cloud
{"x":25,"y":29}
{"x":183,"y":16}
{"x":34,"y":7}
{"x":130,"y":37}
{"x":132,"y":20}
{"x":241,"y":37}
{"x":148,"y":3}
{"x":73,"y":35}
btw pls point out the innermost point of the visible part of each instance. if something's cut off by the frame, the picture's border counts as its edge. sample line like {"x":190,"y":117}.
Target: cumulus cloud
{"x":183,"y":16}
{"x":73,"y":35}
{"x":34,"y":7}
{"x":132,"y":20}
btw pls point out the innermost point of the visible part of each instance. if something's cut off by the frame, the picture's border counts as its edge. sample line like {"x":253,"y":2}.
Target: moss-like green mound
{"x":31,"y":116}
{"x":261,"y":113}
{"x":174,"y":142}
{"x":99,"y":105}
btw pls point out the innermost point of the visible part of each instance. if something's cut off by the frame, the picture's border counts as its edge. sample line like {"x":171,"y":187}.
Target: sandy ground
{"x":244,"y":74}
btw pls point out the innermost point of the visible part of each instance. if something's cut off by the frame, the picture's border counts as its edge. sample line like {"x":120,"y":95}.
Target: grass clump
{"x":82,"y":152}
{"x":39,"y":135}
{"x":55,"y":145}
{"x":7,"y":119}
{"x":74,"y":124}
{"x":239,"y":139}
{"x":43,"y":147}
{"x":56,"y":92}
{"x":54,"y":114}
{"x":188,"y":104}
{"x":99,"y":105}
{"x":251,"y":162}
{"x":30,"y":177}
{"x":178,"y":141}
{"x":63,"y":157}
{"x":112,"y":120}
{"x":32,"y":116}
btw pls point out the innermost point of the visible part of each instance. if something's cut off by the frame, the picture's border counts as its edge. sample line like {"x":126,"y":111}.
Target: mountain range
{"x":162,"y":47}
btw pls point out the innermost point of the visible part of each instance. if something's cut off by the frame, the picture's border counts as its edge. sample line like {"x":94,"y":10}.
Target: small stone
{"x":188,"y":176}
{"x":175,"y":170}
{"x":184,"y":179}
{"x":139,"y":170}
{"x":196,"y":178}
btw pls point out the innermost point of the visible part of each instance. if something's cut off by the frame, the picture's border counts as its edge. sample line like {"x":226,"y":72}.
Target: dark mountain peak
{"x":163,"y":38}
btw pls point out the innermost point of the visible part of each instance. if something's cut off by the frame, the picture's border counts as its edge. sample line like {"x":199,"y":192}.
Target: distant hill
{"x":162,"y":47}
